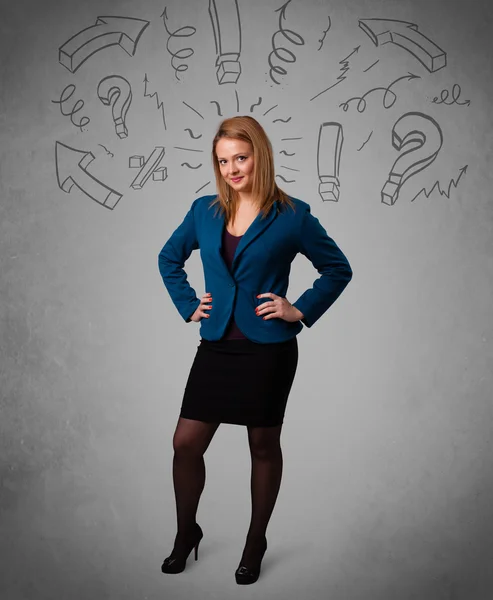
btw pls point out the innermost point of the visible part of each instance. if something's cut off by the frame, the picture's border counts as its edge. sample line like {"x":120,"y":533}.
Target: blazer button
{"x":231,"y":285}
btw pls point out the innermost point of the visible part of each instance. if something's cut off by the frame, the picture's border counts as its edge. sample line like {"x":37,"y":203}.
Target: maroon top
{"x":229,"y":244}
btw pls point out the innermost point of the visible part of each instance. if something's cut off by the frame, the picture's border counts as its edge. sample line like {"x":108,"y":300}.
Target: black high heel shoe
{"x":176,"y":561}
{"x":245,"y":575}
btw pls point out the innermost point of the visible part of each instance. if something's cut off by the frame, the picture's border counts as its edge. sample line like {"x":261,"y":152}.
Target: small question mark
{"x":116,"y":91}
{"x":423,"y":137}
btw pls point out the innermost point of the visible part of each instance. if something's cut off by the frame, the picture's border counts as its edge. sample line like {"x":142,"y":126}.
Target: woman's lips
{"x":236,"y":179}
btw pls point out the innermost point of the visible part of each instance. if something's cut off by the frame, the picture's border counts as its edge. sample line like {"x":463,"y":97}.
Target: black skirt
{"x":240,"y":382}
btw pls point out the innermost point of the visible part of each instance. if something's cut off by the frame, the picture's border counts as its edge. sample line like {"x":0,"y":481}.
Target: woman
{"x":247,"y":357}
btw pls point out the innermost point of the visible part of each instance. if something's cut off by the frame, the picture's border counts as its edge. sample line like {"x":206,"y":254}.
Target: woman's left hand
{"x":279,"y":308}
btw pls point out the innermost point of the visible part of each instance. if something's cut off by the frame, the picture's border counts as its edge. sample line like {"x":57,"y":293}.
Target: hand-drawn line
{"x":183,"y":53}
{"x":117,"y":92}
{"x":202,"y":187}
{"x":456,"y":92}
{"x":329,"y":148}
{"x":154,"y":95}
{"x":290,"y":168}
{"x":377,"y":61}
{"x":237,"y":101}
{"x":107,"y":151}
{"x":187,"y":149}
{"x":107,"y":31}
{"x":280,"y":52}
{"x":286,"y":180}
{"x":219,"y":113}
{"x":195,"y":137}
{"x":287,"y":153}
{"x":423,"y":137}
{"x":191,"y":108}
{"x":71,"y":169}
{"x":271,"y":108}
{"x":282,"y":120}
{"x":226,"y":26}
{"x":258,"y":103}
{"x":364,"y":143}
{"x":361,"y":106}
{"x":324,"y":34}
{"x":342,"y":76}
{"x":446,"y":193}
{"x":75,"y":109}
{"x":290,"y":139}
{"x":185,"y":164}
{"x":407,"y":36}
{"x":147,"y":168}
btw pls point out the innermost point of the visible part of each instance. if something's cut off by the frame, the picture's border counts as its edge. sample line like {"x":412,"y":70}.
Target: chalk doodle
{"x":226,"y":26}
{"x":454,"y":97}
{"x":78,"y":106}
{"x":194,"y":109}
{"x":182,"y":53}
{"x":190,"y":132}
{"x":286,"y":180}
{"x":388,"y":93}
{"x":287,"y":153}
{"x":108,"y":31}
{"x":422,"y":139}
{"x":185,"y":164}
{"x":115,"y":91}
{"x":324,"y":34}
{"x":365,"y":142}
{"x":218,"y":107}
{"x":329,"y":148}
{"x":289,"y":168}
{"x":71,"y":169}
{"x":187,"y":149}
{"x":280,"y":52}
{"x":147,"y":168}
{"x":342,"y":76}
{"x":446,"y":193}
{"x":202,"y":187}
{"x":258,"y":103}
{"x":407,"y":36}
{"x":107,"y":151}
{"x":371,"y":66}
{"x":154,"y":95}
{"x":282,"y":120}
{"x":271,"y":108}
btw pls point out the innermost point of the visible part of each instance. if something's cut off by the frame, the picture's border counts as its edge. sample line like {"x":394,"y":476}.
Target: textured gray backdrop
{"x":387,"y":490}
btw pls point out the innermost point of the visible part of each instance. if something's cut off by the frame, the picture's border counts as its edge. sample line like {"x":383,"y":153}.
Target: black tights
{"x":190,"y":441}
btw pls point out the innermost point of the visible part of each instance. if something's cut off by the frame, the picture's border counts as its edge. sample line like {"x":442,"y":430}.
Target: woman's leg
{"x":266,"y":455}
{"x":190,"y":441}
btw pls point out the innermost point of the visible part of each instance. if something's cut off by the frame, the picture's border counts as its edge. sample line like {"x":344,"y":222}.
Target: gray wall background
{"x":387,"y":490}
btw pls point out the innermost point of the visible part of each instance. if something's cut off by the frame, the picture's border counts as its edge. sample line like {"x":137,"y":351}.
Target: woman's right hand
{"x":202,"y":308}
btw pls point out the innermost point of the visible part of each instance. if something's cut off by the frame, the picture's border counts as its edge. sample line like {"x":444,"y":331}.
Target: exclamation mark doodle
{"x":226,"y":26}
{"x":329,"y":149}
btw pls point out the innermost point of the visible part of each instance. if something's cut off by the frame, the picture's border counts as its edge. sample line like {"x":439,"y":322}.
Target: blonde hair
{"x":265,"y":191}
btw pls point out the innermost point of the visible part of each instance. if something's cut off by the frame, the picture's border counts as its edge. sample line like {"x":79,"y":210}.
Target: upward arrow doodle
{"x":407,"y":36}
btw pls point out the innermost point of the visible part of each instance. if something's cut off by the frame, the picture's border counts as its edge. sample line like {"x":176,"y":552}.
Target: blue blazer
{"x":262,"y":263}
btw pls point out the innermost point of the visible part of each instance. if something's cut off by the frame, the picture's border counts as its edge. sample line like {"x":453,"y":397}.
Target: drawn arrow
{"x":407,"y":36}
{"x":71,"y":169}
{"x":108,"y":31}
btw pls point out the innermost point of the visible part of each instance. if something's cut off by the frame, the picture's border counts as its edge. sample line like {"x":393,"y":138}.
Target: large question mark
{"x":330,"y":138}
{"x":423,"y":137}
{"x":116,"y":90}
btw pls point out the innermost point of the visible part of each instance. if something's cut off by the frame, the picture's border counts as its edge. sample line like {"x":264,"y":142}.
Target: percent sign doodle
{"x":226,"y":26}
{"x":148,"y":168}
{"x":330,"y":138}
{"x":423,"y":137}
{"x":116,"y":91}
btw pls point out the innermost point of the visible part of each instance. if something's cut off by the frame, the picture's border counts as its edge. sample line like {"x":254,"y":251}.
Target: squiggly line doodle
{"x":190,"y":132}
{"x":361,"y":106}
{"x":78,"y":106}
{"x":182,"y":53}
{"x":147,"y":168}
{"x":154,"y":95}
{"x":226,"y":26}
{"x":342,"y":76}
{"x":218,"y":107}
{"x":365,"y":142}
{"x":108,"y":31}
{"x":185,"y":164}
{"x":445,"y":193}
{"x":71,"y":169}
{"x":324,"y":34}
{"x":107,"y":151}
{"x":280,"y":52}
{"x":456,"y":92}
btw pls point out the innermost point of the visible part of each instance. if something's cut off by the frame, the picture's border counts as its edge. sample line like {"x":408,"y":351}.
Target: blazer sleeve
{"x":330,"y":262}
{"x":171,"y":260}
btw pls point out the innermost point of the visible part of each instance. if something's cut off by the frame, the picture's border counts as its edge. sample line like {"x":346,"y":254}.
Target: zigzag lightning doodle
{"x":154,"y":94}
{"x":453,"y":182}
{"x":342,"y":76}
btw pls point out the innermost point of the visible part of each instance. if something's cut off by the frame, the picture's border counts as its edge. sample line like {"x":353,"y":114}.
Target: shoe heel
{"x":197,"y":549}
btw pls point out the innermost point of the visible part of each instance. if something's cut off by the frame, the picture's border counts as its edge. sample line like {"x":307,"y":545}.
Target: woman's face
{"x":235,"y":158}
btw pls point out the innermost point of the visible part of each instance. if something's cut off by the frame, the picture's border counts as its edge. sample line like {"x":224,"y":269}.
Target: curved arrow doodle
{"x":108,"y":31}
{"x":225,"y":18}
{"x":446,"y":193}
{"x":71,"y":169}
{"x":116,"y":91}
{"x":407,"y":36}
{"x":361,"y":106}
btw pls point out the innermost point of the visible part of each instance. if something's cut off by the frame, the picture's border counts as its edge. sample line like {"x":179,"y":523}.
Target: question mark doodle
{"x":116,"y":91}
{"x":423,"y":137}
{"x":330,"y":138}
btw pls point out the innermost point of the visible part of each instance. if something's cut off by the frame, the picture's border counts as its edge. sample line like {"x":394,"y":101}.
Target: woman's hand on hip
{"x":279,"y":308}
{"x":204,"y":306}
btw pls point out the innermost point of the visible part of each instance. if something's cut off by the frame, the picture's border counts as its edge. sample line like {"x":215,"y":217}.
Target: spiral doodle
{"x":182,"y":53}
{"x":455,"y":95}
{"x":281,"y":53}
{"x":387,"y":93}
{"x":78,"y":106}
